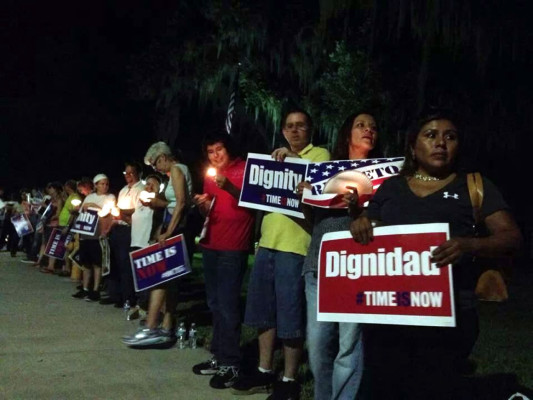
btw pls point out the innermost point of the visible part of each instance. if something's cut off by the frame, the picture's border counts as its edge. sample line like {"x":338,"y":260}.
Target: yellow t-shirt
{"x":280,"y":232}
{"x":64,"y":215}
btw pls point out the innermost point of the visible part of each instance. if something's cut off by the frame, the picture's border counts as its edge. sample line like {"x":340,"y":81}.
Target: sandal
{"x":45,"y":270}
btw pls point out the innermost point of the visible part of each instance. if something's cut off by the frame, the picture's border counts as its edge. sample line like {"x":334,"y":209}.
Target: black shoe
{"x":81,"y":294}
{"x":106,"y":301}
{"x":224,"y":378}
{"x":285,"y":391}
{"x":79,"y":287}
{"x":209,"y":367}
{"x":93,"y":296}
{"x":258,"y":382}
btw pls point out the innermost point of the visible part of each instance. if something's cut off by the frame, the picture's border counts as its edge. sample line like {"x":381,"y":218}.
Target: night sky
{"x":66,"y":110}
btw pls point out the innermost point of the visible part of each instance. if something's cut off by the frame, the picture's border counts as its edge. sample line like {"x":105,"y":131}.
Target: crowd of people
{"x":347,"y":360}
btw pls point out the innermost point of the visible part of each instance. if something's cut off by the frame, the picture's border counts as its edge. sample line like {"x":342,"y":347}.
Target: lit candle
{"x":146,"y":197}
{"x":75,"y":202}
{"x":115,"y":212}
{"x":211,"y":172}
{"x":106,"y":209}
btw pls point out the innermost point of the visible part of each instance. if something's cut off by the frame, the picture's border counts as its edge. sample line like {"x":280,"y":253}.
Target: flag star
{"x":329,"y":166}
{"x":308,"y":179}
{"x":325,"y":173}
{"x":354,"y":164}
{"x":313,"y":170}
{"x":342,"y":168}
{"x":375,"y":162}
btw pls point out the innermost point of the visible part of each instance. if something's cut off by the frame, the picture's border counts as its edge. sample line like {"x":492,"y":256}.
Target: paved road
{"x":56,"y":347}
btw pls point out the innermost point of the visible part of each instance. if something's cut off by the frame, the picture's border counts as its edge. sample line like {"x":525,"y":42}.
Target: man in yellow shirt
{"x":276,"y":300}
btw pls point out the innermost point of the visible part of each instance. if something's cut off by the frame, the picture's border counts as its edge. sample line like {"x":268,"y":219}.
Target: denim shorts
{"x":276,"y":296}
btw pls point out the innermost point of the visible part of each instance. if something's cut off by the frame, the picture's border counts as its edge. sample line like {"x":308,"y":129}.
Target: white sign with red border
{"x":389,"y":281}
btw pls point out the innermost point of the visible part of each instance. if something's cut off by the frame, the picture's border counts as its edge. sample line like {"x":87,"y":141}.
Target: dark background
{"x":70,"y":109}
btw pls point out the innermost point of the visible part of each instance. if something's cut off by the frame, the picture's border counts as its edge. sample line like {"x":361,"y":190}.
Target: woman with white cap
{"x":164,"y":296}
{"x":90,"y":250}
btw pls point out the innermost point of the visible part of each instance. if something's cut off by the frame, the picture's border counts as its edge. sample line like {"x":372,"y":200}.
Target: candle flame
{"x":75,"y":202}
{"x":146,"y":197}
{"x":211,"y":172}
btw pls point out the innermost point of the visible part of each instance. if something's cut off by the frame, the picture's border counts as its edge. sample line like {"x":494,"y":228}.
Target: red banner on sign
{"x":389,"y":281}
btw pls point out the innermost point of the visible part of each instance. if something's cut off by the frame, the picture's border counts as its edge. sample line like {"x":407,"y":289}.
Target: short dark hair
{"x":71,"y":183}
{"x":86,"y":182}
{"x":220,"y":137}
{"x":135,"y":165}
{"x":431,"y":114}
{"x":56,"y":185}
{"x":341,"y":149}
{"x":154,"y":176}
{"x":295,"y":110}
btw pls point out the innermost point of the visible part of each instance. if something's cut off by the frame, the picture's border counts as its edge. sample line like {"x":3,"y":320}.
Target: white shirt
{"x":128,"y":197}
{"x":141,"y":225}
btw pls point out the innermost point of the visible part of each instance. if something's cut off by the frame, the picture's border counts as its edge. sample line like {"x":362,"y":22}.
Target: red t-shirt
{"x":230,"y":226}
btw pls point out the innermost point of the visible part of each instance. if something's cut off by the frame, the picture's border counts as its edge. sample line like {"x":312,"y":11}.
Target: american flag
{"x":232,"y":100}
{"x":331,"y":179}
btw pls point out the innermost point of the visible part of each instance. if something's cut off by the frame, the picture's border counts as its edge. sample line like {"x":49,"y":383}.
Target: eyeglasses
{"x":298,"y":126}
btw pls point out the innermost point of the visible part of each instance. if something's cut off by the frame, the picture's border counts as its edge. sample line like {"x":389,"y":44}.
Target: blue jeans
{"x":224,"y":273}
{"x":276,"y":293}
{"x":335,"y":351}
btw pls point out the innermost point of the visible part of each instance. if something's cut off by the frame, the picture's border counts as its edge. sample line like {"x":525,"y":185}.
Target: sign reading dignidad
{"x":269,"y":185}
{"x":156,"y":264}
{"x":389,"y":281}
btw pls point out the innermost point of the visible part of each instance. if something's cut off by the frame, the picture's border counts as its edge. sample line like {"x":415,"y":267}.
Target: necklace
{"x":425,"y":178}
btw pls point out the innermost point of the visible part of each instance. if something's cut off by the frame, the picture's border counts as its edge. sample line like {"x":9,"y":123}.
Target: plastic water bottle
{"x":192,"y":336}
{"x":181,"y":335}
{"x":126,"y":309}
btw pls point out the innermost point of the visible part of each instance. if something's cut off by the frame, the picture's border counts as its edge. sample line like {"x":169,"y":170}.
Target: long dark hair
{"x":410,"y":165}
{"x":341,"y":149}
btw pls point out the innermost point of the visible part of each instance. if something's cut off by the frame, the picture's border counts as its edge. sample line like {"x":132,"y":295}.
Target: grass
{"x":502,"y":355}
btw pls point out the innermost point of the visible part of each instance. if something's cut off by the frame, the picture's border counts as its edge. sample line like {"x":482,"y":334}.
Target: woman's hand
{"x":222,"y":182}
{"x":362,"y":230}
{"x":283,"y":152}
{"x":156,"y":202}
{"x":450,"y":251}
{"x":301,"y":186}
{"x":162,"y":238}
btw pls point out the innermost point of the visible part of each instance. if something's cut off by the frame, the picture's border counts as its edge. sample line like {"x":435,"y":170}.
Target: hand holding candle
{"x":146,"y":197}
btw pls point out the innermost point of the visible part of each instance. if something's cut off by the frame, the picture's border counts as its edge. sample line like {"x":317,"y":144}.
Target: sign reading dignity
{"x":156,"y":264}
{"x":269,"y":185}
{"x":87,"y":222}
{"x":331,"y":179}
{"x":57,"y":244}
{"x":389,"y":281}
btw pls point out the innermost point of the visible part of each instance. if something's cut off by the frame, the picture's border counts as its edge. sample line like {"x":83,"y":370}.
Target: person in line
{"x":336,"y":349}
{"x":65,"y":216}
{"x":57,"y":199}
{"x":225,"y":249}
{"x":275,"y":303}
{"x":423,"y":362}
{"x":89,"y":248}
{"x":178,"y":199}
{"x":120,"y":279}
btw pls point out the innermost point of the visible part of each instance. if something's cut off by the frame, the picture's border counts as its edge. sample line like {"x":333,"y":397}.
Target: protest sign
{"x":22,"y":224}
{"x":389,"y":281}
{"x":269,"y":185}
{"x":86,"y":223}
{"x":156,"y":264}
{"x":57,"y":244}
{"x":106,"y":255}
{"x":332,"y":179}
